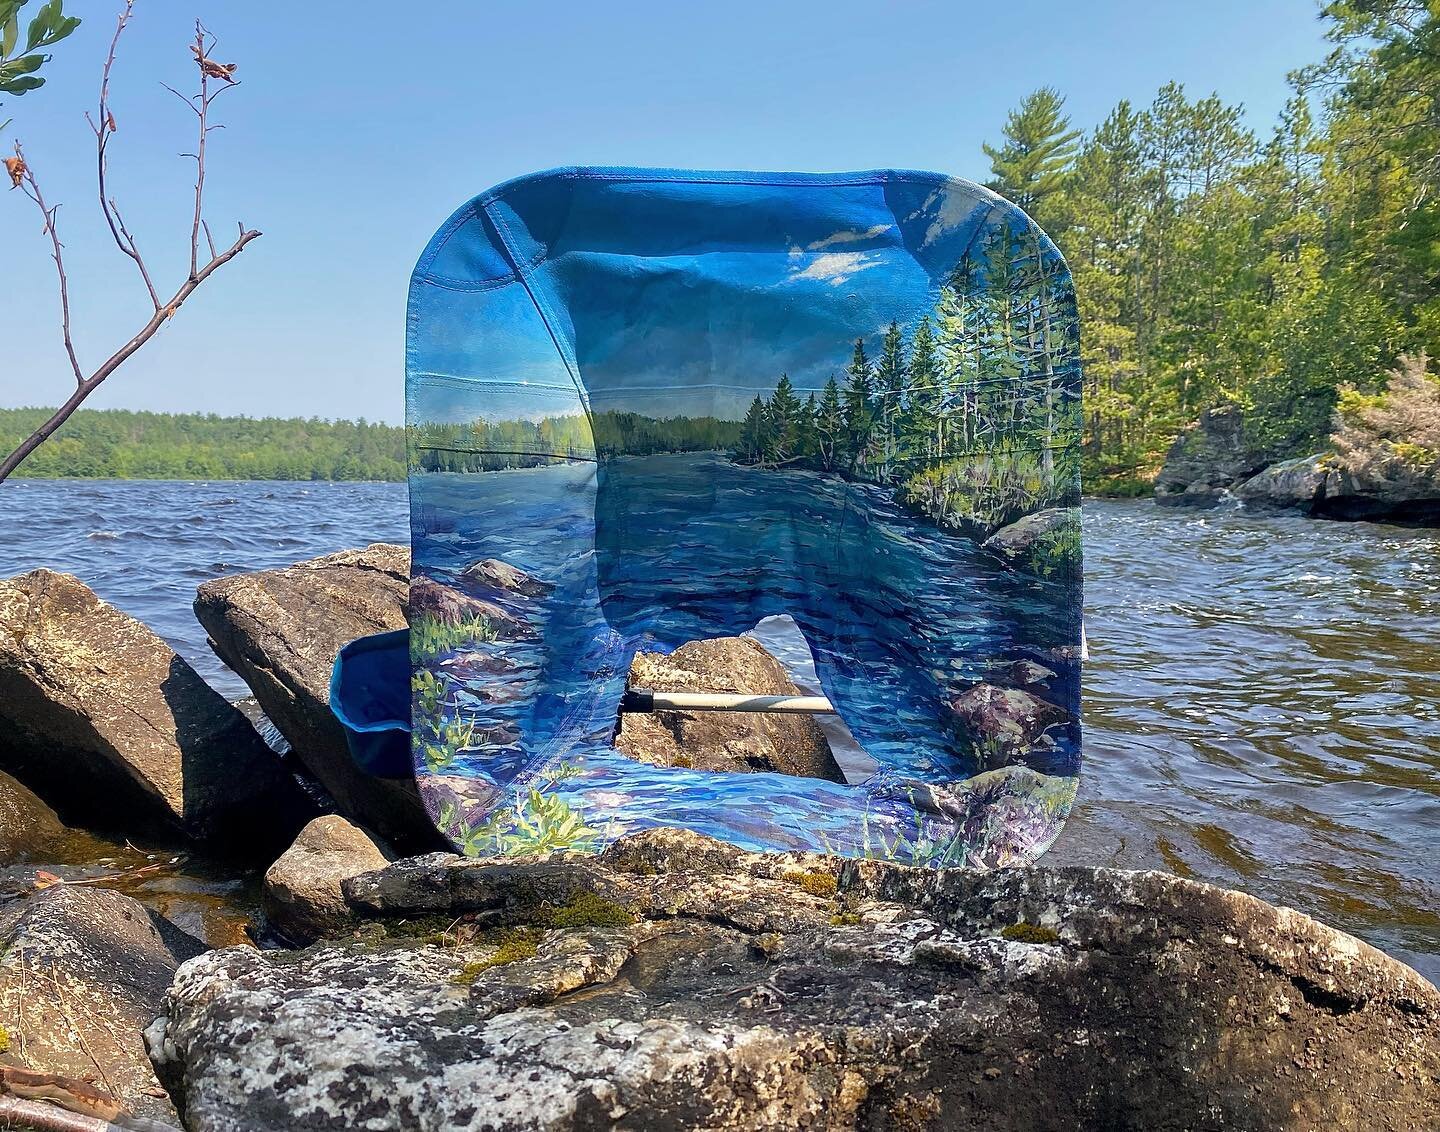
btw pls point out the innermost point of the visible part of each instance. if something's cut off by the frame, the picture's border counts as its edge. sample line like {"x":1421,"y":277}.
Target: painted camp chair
{"x":652,"y":407}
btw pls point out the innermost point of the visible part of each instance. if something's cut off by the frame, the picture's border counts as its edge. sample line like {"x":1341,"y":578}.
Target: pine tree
{"x":830,"y":427}
{"x":754,"y":434}
{"x":1031,"y":165}
{"x":782,"y":415}
{"x":919,"y":427}
{"x":859,"y":407}
{"x":890,"y":393}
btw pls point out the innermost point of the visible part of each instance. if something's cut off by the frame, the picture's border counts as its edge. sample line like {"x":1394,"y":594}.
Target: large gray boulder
{"x":676,"y":982}
{"x":1208,"y":459}
{"x":303,"y":900}
{"x":83,"y":972}
{"x":102,"y":719}
{"x":281,"y":631}
{"x":729,"y":741}
{"x":1322,"y":486}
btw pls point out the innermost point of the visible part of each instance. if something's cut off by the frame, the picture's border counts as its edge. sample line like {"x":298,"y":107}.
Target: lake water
{"x":1262,"y":702}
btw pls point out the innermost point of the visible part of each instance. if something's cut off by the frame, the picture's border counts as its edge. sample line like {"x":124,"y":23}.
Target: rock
{"x":429,"y":598}
{"x":675,"y":982}
{"x":1320,"y":486}
{"x":499,"y":575}
{"x":27,"y":824}
{"x":83,"y":971}
{"x":1026,"y":673}
{"x":1291,"y":485}
{"x":302,"y":889}
{"x":281,"y":630}
{"x":1208,"y":459}
{"x":1023,"y":540}
{"x":102,"y":719}
{"x":728,"y":741}
{"x":1002,"y":722}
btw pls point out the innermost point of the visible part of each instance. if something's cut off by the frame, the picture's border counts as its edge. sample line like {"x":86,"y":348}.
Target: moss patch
{"x":589,"y":910}
{"x":511,"y":945}
{"x":4,"y":1040}
{"x":1030,"y":933}
{"x":815,"y":883}
{"x":845,"y":919}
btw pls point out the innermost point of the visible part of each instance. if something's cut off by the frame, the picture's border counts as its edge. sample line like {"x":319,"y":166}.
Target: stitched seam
{"x":507,"y":244}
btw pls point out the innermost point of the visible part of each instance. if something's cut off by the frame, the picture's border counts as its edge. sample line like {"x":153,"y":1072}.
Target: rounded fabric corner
{"x":714,"y":403}
{"x":370,"y":697}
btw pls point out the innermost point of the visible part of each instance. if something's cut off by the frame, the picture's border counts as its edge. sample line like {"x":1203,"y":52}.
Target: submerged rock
{"x":715,"y":740}
{"x":83,"y":971}
{"x":498,"y":575}
{"x":281,"y":630}
{"x":102,"y":719}
{"x":676,"y":982}
{"x":303,"y":900}
{"x":999,"y":723}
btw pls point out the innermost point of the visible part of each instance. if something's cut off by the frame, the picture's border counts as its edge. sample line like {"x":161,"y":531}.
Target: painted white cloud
{"x":836,"y":267}
{"x":952,"y":206}
{"x":850,"y":237}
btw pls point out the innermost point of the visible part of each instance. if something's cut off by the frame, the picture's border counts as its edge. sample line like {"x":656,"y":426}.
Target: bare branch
{"x":104,"y":125}
{"x":31,"y":188}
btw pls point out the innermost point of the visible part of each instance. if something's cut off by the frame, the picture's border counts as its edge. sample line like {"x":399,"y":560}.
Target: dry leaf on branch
{"x":212,"y":69}
{"x":15,"y":166}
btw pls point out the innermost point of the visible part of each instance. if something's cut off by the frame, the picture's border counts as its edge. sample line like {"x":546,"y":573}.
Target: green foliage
{"x":431,"y":638}
{"x":814,"y":882}
{"x":430,"y":691}
{"x":1023,"y":932}
{"x":20,"y":60}
{"x":119,"y":444}
{"x":510,"y":946}
{"x":537,"y":823}
{"x":1039,"y":146}
{"x":1213,"y":266}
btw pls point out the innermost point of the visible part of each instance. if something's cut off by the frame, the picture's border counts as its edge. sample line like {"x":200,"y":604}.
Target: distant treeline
{"x":120,"y":444}
{"x":484,"y":445}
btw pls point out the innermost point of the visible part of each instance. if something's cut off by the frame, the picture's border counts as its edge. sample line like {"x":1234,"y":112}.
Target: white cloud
{"x":836,"y":267}
{"x":849,"y":237}
{"x":953,"y":206}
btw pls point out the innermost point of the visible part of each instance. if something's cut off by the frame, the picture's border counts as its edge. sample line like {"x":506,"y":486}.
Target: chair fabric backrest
{"x":649,"y":407}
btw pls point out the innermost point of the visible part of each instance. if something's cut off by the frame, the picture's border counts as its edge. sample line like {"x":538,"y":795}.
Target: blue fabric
{"x":652,"y":406}
{"x":369,"y":695}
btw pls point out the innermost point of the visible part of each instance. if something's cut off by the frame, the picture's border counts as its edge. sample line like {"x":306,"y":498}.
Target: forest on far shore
{"x":120,"y":444}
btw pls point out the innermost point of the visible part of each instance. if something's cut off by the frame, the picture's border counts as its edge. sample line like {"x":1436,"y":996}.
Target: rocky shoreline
{"x":672,"y":981}
{"x":1215,"y":461}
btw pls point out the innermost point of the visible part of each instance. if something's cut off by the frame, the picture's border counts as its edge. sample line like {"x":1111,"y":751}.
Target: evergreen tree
{"x":754,"y":434}
{"x":919,"y":429}
{"x":890,"y":394}
{"x":829,"y":427}
{"x":859,"y":406}
{"x":1029,"y":167}
{"x":783,"y":415}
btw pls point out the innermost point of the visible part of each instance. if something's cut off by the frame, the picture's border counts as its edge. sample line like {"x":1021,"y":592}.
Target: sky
{"x":357,"y":129}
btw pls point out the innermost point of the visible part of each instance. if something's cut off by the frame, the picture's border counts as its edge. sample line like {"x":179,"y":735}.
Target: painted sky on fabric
{"x":357,"y":130}
{"x":679,"y":297}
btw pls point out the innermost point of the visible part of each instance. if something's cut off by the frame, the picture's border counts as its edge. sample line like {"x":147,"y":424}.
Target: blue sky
{"x":359,"y":128}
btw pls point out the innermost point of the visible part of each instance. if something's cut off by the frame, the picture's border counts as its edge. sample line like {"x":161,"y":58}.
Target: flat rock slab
{"x":675,"y":982}
{"x":83,"y":971}
{"x":281,"y":631}
{"x":100,"y":717}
